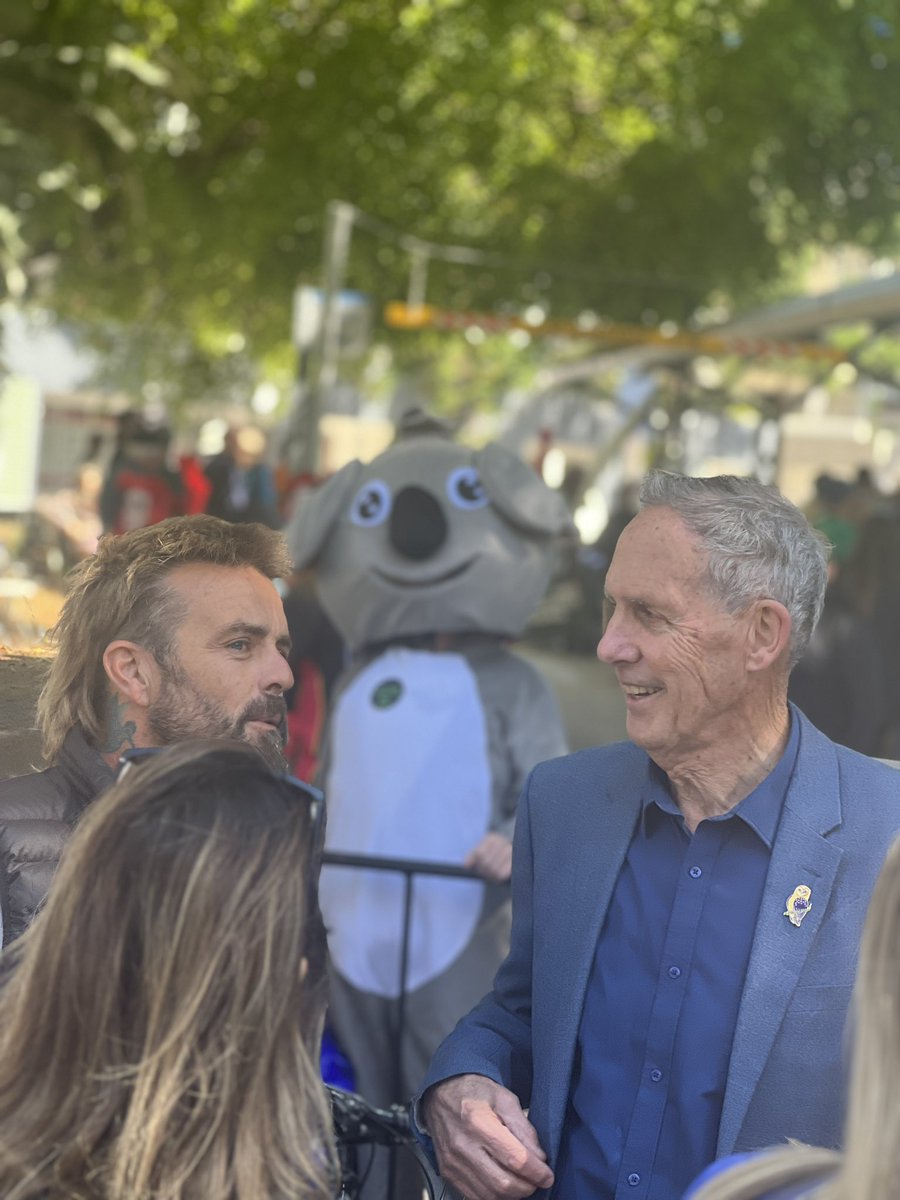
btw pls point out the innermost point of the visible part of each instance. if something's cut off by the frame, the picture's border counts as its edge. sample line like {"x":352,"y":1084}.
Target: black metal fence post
{"x":408,"y":868}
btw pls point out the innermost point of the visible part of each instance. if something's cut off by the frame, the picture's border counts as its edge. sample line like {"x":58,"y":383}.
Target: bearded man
{"x":169,"y":632}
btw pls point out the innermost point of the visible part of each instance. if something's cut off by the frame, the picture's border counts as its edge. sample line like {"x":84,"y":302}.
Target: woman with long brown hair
{"x":869,"y":1167}
{"x":160,"y":1021}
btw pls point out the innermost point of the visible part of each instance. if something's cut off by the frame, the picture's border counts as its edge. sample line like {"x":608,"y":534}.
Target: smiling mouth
{"x":638,"y":693}
{"x":397,"y":581}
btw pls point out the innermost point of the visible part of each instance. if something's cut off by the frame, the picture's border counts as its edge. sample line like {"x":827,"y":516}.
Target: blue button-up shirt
{"x":663,"y":995}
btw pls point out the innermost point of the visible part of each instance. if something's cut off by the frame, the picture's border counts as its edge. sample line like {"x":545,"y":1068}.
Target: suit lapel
{"x":801,"y":855}
{"x":603,"y":821}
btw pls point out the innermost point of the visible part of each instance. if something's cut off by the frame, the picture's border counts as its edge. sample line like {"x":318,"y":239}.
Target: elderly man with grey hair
{"x":687,"y":905}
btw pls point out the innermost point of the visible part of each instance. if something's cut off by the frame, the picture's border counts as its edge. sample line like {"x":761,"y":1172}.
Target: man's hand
{"x":485,"y":1145}
{"x":491,"y":858}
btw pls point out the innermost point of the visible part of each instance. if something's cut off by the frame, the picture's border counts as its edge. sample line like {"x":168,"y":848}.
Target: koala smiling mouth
{"x":397,"y":581}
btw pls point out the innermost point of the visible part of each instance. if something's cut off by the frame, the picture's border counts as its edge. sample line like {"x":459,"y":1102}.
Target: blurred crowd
{"x":140,"y":475}
{"x":143,"y":484}
{"x":847,"y":682}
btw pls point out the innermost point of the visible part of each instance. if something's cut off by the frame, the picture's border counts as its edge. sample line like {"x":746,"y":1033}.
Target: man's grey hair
{"x":759,"y":544}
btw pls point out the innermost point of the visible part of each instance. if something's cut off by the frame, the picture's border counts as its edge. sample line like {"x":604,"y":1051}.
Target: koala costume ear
{"x":317,"y":513}
{"x":520,"y":495}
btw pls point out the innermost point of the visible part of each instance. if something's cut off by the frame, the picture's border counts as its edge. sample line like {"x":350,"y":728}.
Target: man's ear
{"x":132,"y":671}
{"x":769,"y":634}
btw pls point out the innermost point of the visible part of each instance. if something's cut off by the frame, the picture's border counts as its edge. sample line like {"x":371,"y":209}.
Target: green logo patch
{"x":387,"y":693}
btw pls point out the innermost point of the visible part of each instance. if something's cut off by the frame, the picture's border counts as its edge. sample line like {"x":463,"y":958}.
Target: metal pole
{"x":404,"y":966}
{"x":401,"y":1016}
{"x":418,"y":277}
{"x":334,"y":272}
{"x":336,"y":251}
{"x":768,"y":442}
{"x":408,"y":868}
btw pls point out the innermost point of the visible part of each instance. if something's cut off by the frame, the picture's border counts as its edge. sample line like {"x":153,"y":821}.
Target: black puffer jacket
{"x":37,"y":814}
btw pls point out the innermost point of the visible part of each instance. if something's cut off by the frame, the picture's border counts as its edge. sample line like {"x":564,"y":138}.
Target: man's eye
{"x":240,"y":645}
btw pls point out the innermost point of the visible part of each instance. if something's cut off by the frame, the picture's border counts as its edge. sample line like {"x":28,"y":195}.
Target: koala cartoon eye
{"x":371,"y":504}
{"x":465,"y":489}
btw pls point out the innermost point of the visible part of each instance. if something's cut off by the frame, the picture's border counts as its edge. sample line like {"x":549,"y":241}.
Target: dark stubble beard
{"x":181,"y":712}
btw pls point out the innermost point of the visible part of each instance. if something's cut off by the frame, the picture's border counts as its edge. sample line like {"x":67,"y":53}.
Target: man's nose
{"x":615,"y":645}
{"x":279,"y":675}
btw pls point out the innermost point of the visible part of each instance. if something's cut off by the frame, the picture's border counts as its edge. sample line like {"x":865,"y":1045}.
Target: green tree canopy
{"x":167,"y":163}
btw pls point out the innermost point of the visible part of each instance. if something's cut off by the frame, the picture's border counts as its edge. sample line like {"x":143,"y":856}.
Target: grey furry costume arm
{"x":523,"y":721}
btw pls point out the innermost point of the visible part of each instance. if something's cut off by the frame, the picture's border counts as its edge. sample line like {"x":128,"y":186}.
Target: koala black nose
{"x":418,"y":527}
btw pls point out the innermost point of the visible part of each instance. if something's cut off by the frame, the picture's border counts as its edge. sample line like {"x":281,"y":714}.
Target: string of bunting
{"x":398,"y":315}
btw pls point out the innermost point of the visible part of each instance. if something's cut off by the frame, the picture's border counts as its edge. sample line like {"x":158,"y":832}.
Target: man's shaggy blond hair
{"x":122,"y":592}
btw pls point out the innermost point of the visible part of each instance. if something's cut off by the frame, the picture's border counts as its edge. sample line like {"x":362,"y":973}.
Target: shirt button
{"x":695,"y":872}
{"x":674,"y":972}
{"x":634,"y":1179}
{"x":656,"y":1074}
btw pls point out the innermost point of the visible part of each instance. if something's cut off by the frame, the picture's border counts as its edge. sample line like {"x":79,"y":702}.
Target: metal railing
{"x":409,"y":868}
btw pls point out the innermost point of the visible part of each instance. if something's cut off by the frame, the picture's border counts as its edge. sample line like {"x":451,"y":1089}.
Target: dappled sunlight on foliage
{"x":168,"y":165}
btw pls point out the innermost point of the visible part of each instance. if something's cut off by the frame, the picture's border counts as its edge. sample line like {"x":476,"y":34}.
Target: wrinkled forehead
{"x":658,"y":544}
{"x":208,"y":591}
{"x":658,"y":526}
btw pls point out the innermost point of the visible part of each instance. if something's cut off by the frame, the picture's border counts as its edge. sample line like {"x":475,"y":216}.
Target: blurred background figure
{"x":160,"y":1022}
{"x":865,"y":500}
{"x":867,"y":1168}
{"x":72,"y":513}
{"x":141,"y":488}
{"x":591,"y":565}
{"x":90,"y":470}
{"x":128,"y":423}
{"x":544,"y":443}
{"x":832,"y":513}
{"x":872,"y":583}
{"x":840,"y":682}
{"x":317,"y":658}
{"x":848,"y":682}
{"x":242,"y":483}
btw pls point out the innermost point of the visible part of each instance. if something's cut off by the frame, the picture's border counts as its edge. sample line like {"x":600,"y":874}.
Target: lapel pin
{"x":799,"y":903}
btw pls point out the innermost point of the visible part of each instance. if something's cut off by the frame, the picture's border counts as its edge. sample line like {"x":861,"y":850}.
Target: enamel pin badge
{"x":799,"y":902}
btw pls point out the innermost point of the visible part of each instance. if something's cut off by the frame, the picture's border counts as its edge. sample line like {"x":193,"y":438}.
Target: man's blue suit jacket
{"x":787,"y":1069}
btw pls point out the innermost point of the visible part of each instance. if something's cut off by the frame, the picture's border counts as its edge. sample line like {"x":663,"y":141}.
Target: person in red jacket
{"x":141,"y":488}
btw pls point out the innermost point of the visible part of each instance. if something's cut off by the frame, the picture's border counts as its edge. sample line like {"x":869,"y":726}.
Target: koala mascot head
{"x":430,"y":537}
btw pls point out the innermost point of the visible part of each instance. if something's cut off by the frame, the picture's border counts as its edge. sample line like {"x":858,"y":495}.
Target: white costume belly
{"x":409,"y":778}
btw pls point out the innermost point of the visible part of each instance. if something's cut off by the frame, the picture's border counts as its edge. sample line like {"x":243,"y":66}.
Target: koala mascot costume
{"x":428,"y":560}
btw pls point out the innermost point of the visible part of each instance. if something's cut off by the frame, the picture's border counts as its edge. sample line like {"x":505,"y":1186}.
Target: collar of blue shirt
{"x":761,"y":810}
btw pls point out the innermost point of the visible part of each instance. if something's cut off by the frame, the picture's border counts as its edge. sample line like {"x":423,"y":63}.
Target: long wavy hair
{"x":160,"y":1021}
{"x":869,"y":1166}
